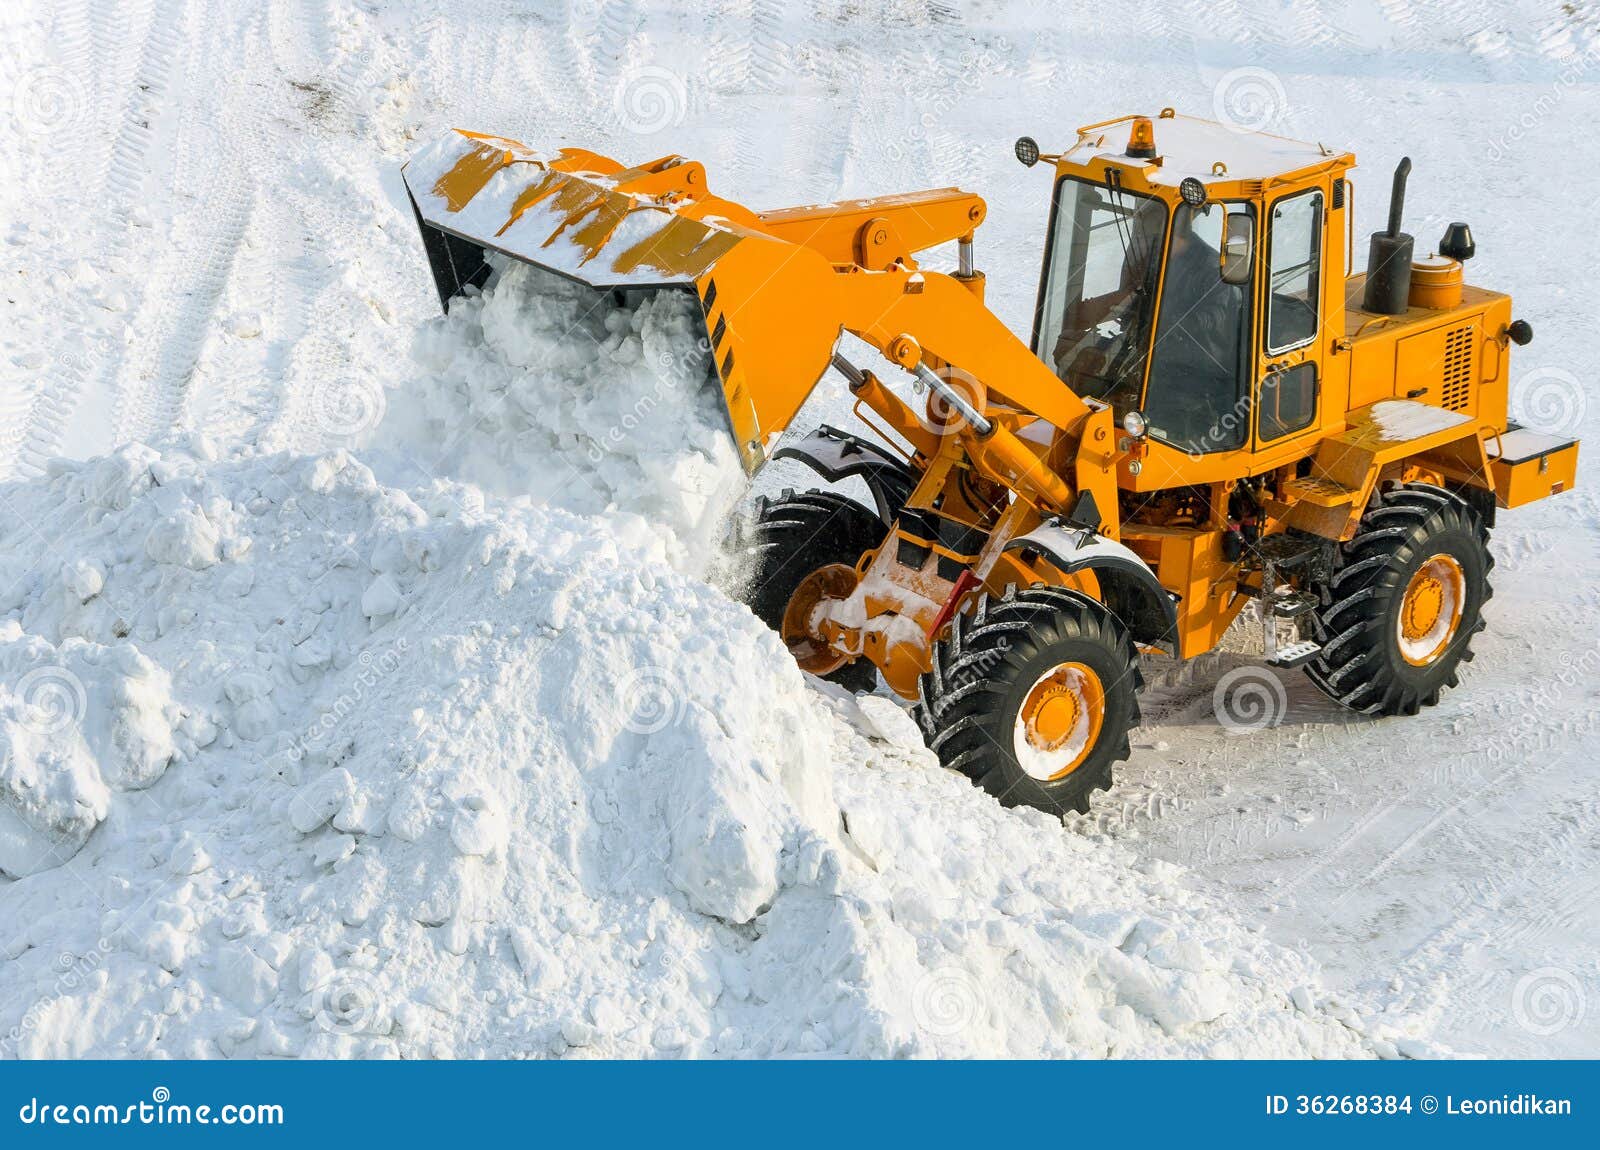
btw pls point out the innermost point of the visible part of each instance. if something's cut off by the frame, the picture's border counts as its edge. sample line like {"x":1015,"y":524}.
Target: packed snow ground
{"x":204,"y":231}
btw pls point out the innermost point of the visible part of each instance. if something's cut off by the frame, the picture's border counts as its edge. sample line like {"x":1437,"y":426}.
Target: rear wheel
{"x":805,"y":552}
{"x":1403,"y":602}
{"x":1032,"y":697}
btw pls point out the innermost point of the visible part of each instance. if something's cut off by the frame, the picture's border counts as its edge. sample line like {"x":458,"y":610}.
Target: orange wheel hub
{"x":1060,"y":720}
{"x":810,"y":650}
{"x":1431,"y":610}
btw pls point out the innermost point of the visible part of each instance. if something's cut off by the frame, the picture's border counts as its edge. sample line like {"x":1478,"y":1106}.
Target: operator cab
{"x":1149,"y":295}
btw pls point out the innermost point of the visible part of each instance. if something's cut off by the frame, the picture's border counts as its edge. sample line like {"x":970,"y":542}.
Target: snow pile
{"x":456,"y":783}
{"x":433,"y":775}
{"x":546,"y":390}
{"x":400,"y":726}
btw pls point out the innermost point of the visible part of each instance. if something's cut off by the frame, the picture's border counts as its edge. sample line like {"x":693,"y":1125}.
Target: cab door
{"x":1289,"y":360}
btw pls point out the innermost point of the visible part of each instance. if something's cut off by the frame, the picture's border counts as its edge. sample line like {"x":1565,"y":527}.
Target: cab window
{"x":1197,"y":399}
{"x":1294,"y":263}
{"x":1288,"y":401}
{"x":1093,"y":322}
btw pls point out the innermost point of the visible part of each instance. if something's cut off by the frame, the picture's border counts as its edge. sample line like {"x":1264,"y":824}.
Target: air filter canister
{"x":1436,"y":282}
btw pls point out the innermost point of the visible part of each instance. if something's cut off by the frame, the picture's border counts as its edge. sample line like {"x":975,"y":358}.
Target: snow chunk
{"x":540,"y":388}
{"x":185,"y":539}
{"x":51,"y":792}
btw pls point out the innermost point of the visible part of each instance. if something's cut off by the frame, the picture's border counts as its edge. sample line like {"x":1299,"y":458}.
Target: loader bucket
{"x":655,"y":226}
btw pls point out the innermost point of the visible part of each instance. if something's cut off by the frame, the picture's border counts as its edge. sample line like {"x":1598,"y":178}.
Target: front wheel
{"x":805,"y":552}
{"x":1032,"y":697}
{"x":1403,"y":602}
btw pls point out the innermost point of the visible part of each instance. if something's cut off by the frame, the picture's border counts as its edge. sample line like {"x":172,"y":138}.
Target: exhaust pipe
{"x":1389,"y":257}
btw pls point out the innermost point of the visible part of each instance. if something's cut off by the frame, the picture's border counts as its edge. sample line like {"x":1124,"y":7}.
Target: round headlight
{"x":1133,"y":423}
{"x":1192,"y":191}
{"x":1027,"y":151}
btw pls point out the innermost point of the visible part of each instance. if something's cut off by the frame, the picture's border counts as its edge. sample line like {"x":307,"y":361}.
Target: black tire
{"x":987,"y":665}
{"x":797,"y":534}
{"x":1362,"y":664}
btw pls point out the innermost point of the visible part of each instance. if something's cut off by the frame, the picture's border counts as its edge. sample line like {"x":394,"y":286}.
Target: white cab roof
{"x":1192,"y":147}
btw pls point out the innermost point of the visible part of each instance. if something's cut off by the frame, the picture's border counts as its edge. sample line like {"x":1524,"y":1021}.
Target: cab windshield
{"x":1100,"y":289}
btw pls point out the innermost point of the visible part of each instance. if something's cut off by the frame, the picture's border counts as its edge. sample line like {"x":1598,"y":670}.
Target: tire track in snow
{"x":562,"y":75}
{"x":544,"y":70}
{"x":180,"y":334}
{"x":314,"y":310}
{"x":92,"y":364}
{"x":595,"y":57}
{"x":234,"y":396}
{"x":315,"y":359}
{"x":296,"y":39}
{"x":116,"y":34}
{"x":31,"y":423}
{"x":306,"y":101}
{"x":490,"y":63}
{"x":201,"y":244}
{"x":127,"y":174}
{"x":1534,"y":868}
{"x":325,"y":247}
{"x":266,"y":275}
{"x":1525,"y":915}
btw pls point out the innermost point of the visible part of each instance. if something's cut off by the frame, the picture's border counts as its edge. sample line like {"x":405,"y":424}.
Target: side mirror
{"x":1238,"y":245}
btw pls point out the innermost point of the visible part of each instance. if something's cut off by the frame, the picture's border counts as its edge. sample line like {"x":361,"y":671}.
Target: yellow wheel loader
{"x":1212,"y":412}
